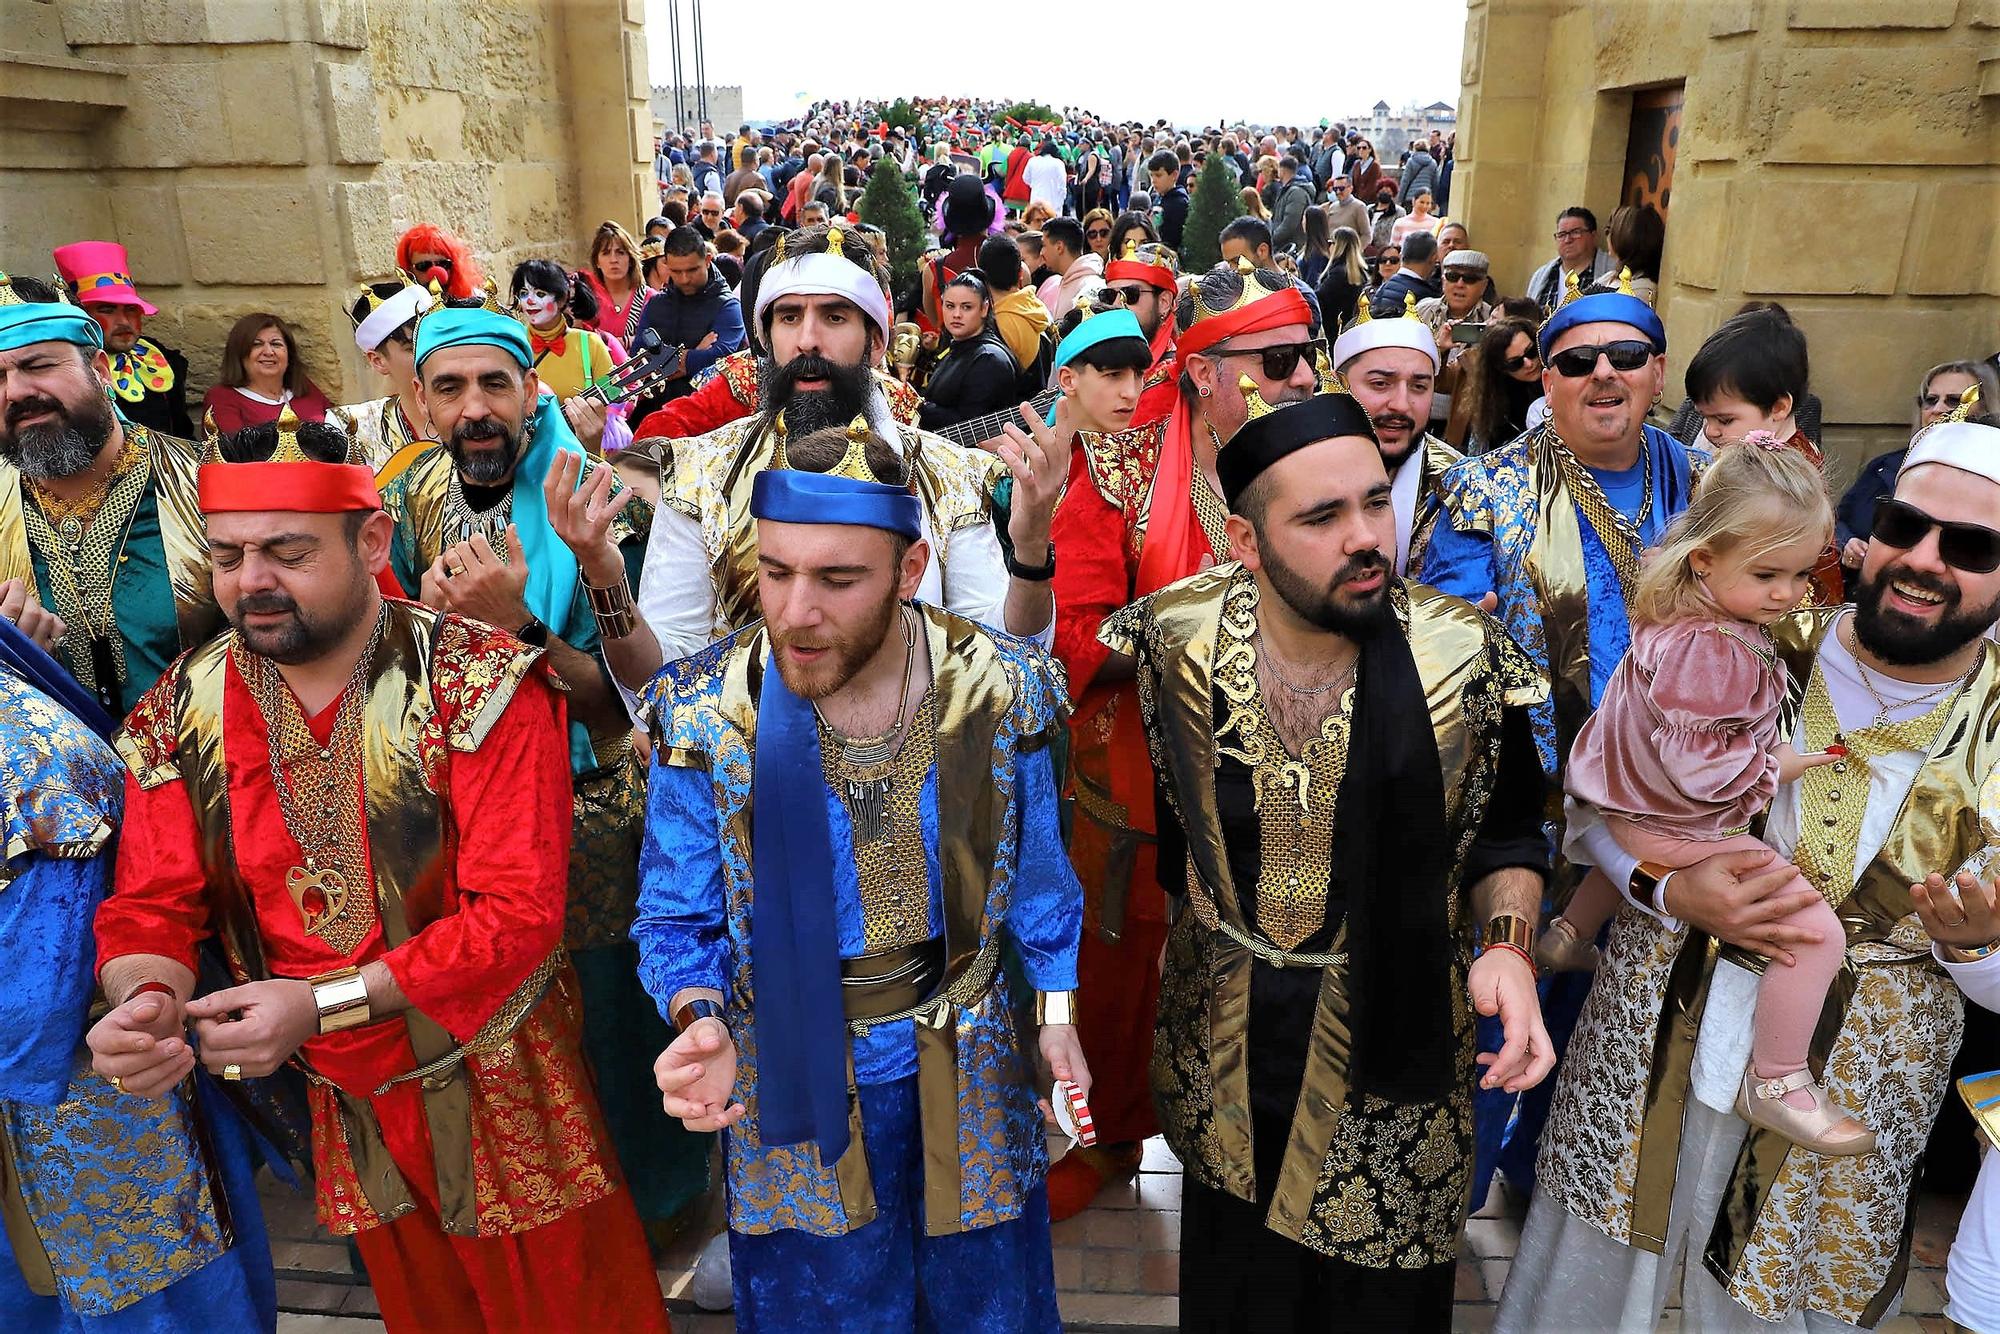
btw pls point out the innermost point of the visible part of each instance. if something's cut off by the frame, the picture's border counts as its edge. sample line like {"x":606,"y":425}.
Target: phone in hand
{"x":1467,"y":334}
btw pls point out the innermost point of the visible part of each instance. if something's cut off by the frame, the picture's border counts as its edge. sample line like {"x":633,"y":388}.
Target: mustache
{"x":1364,"y":562}
{"x":28,"y":407}
{"x":1394,"y":419}
{"x":270,"y":602}
{"x":485,"y":428}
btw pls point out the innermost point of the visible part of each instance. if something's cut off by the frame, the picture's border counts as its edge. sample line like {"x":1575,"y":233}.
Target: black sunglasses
{"x":1516,"y":363}
{"x":1627,"y":354}
{"x":1963,"y":546}
{"x":1096,"y":232}
{"x":423,"y":264}
{"x":1280,"y":359}
{"x":1941,"y":400}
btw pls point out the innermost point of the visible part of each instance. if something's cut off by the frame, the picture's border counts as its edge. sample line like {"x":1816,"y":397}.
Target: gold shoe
{"x":1827,"y":1128}
{"x":1561,"y":950}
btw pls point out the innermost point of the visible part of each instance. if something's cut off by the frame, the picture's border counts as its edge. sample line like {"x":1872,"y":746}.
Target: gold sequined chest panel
{"x":892,"y":870}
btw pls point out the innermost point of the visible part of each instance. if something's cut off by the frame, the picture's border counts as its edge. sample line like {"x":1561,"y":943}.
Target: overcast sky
{"x":1128,"y":60}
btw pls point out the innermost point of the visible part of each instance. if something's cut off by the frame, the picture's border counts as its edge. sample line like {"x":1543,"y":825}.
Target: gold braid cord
{"x":1618,"y":534}
{"x":81,"y":541}
{"x":892,"y":871}
{"x":1833,"y":797}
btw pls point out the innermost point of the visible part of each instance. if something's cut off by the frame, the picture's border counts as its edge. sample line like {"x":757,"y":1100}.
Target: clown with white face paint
{"x":567,"y":357}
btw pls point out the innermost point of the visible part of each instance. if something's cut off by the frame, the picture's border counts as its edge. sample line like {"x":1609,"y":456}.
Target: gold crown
{"x":288,"y":449}
{"x":853,"y":464}
{"x":1131,"y":248}
{"x":1254,"y":405}
{"x":1966,"y":403}
{"x":1409,"y":305}
{"x":1625,"y":281}
{"x":1253,"y":290}
{"x":8,"y":296}
{"x":1572,"y":289}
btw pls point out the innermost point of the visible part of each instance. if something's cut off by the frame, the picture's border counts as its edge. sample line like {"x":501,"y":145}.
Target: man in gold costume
{"x":1352,"y":776}
{"x":98,"y":518}
{"x":1646,"y":1163}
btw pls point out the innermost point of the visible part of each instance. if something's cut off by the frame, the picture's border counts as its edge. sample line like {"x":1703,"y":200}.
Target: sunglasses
{"x":1111,"y":297}
{"x":1525,"y":359}
{"x":424,"y":264}
{"x":1096,"y":232}
{"x":1570,"y":235}
{"x":1460,"y":276}
{"x":1941,"y":400}
{"x":1963,"y":546}
{"x":1627,"y":354}
{"x":1280,"y":359}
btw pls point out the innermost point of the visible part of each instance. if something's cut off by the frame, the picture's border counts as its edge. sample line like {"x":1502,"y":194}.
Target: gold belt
{"x":1278,"y":958}
{"x":495,"y":1032}
{"x":933,"y":1012}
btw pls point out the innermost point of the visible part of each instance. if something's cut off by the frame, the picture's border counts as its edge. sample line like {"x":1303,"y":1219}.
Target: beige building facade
{"x":265,"y":154}
{"x":1841,"y":157}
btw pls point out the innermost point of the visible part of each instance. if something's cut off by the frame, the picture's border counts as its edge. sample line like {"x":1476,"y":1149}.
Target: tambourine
{"x":1073,"y":1113}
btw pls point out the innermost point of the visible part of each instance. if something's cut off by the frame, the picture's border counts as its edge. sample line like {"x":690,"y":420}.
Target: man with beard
{"x":1147,"y":279}
{"x":1547,"y":532}
{"x":1391,"y":368}
{"x":852,"y":818}
{"x":149,"y":378}
{"x":364,"y":799}
{"x":1354,"y":789}
{"x":822,"y":308}
{"x":475,"y":533}
{"x":1646,"y":1160}
{"x":98,"y":516}
{"x":1142,"y":508}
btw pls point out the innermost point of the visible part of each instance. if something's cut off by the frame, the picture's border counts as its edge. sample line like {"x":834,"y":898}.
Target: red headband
{"x":1269,"y":312}
{"x":300,"y":488}
{"x":1157,"y":275}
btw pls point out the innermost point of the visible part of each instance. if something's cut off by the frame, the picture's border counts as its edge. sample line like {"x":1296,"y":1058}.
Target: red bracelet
{"x":145,"y":987}
{"x":1512,"y":948}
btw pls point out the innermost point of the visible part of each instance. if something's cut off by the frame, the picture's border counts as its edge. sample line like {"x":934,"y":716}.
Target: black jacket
{"x":1173,"y":216}
{"x":975,"y":376}
{"x":1388,"y":300}
{"x":166,"y":412}
{"x":684,"y":321}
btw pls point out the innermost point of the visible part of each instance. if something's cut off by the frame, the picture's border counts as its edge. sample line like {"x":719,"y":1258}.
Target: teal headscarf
{"x":47,"y":322}
{"x":459,"y":326}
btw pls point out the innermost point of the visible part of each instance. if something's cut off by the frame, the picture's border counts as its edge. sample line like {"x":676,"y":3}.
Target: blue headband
{"x":463,"y":326}
{"x":47,"y":322}
{"x":788,"y":496}
{"x":1606,"y":308}
{"x":1105,"y":327}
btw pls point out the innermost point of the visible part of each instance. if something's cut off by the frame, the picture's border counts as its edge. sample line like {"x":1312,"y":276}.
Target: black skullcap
{"x":1263,"y":440}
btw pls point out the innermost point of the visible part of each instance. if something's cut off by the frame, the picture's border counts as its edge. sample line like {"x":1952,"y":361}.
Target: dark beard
{"x":1902,"y":642}
{"x":303,"y":638}
{"x":1393,"y":461}
{"x":1316,"y":605}
{"x":846,"y":396}
{"x":487,"y":467}
{"x":60,"y":448}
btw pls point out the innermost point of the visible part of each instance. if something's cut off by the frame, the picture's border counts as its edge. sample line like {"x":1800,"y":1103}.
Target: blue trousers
{"x":887,"y":1277}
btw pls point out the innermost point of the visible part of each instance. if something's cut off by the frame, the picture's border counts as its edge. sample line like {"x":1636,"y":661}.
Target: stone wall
{"x":1839,"y":156}
{"x":264,"y":156}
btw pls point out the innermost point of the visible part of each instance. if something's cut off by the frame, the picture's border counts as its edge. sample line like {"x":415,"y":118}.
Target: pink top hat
{"x":99,"y":271}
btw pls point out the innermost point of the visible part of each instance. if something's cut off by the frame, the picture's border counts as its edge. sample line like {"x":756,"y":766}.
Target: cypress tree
{"x":887,"y":202}
{"x":1213,"y":206}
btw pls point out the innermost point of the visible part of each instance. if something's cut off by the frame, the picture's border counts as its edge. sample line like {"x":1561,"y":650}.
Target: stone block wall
{"x":265,"y":154}
{"x":1841,"y":157}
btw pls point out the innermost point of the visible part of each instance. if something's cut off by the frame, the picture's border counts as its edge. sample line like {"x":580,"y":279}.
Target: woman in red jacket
{"x":261,"y":374}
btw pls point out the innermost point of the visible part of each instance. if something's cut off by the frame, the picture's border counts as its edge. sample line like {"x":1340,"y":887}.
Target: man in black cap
{"x":1315,"y":1056}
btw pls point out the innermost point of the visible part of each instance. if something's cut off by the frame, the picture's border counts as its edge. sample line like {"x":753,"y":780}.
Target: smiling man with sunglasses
{"x":1907,"y":682}
{"x":1547,"y":532}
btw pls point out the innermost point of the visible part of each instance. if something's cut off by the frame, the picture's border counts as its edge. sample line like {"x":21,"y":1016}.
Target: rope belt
{"x":1278,"y":958}
{"x":963,"y":993}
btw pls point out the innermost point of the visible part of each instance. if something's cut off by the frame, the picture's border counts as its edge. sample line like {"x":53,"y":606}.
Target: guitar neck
{"x":975,"y":431}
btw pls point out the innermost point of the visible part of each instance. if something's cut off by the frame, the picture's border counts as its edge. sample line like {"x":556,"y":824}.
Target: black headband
{"x":1264,"y":440}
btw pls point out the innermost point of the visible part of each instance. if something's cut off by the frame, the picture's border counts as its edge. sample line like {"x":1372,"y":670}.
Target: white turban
{"x":390,"y":316}
{"x":1367,"y":335}
{"x":1966,"y":446}
{"x":824,"y":274}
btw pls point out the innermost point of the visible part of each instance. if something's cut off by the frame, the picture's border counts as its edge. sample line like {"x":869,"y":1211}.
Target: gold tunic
{"x":1382,"y":1185}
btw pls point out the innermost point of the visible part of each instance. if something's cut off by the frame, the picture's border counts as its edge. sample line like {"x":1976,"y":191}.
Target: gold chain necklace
{"x":1883,"y":707}
{"x":867,"y":764}
{"x":1604,"y":517}
{"x":1270,"y":660}
{"x":321,"y":809}
{"x":80,"y":540}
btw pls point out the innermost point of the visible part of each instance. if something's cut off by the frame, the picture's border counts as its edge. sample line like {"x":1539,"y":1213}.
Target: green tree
{"x":901,"y":113}
{"x":1214,"y":206}
{"x":888,"y":203}
{"x":1028,"y":113}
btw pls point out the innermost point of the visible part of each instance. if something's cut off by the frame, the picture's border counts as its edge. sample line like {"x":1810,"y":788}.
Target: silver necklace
{"x":1270,"y":660}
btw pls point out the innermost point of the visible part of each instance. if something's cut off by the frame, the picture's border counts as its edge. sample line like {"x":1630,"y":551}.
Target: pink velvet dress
{"x":1679,"y":752}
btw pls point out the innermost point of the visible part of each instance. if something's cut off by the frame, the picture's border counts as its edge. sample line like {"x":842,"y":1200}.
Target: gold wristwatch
{"x":342,"y":999}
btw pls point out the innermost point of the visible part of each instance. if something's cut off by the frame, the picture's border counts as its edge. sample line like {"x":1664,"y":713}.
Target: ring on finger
{"x":232,"y":1072}
{"x":453,"y":570}
{"x":117,"y":1083}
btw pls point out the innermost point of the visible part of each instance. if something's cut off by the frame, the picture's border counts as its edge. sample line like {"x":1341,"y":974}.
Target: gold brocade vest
{"x":407,"y":845}
{"x":1469,"y":671}
{"x":1796,"y":1229}
{"x":183,"y":533}
{"x":708,"y":479}
{"x":1437,"y":457}
{"x":963,"y":1046}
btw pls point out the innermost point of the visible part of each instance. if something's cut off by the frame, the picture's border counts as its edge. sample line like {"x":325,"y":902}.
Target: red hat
{"x":99,"y":271}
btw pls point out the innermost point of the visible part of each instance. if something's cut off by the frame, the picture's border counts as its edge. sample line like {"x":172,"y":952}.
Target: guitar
{"x":645,"y":370}
{"x":976,"y":431}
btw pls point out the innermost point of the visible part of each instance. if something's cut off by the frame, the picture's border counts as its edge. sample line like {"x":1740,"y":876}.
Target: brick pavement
{"x":1115,"y":1264}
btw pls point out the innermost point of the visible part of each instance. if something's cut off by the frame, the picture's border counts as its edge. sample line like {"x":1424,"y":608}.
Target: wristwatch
{"x":1034,"y":574}
{"x":535,"y":634}
{"x":341,"y":997}
{"x":1648,"y":885}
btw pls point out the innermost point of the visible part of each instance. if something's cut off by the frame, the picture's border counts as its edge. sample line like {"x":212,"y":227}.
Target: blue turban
{"x":47,"y":322}
{"x":789,"y":496}
{"x":1105,"y":327}
{"x":1606,"y":308}
{"x":464,"y":326}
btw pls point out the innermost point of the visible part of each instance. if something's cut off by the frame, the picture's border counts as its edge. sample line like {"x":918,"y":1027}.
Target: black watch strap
{"x":535,"y":633}
{"x":1036,"y":574}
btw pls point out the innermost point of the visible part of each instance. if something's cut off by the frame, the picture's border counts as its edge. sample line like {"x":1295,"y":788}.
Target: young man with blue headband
{"x":853,"y":893}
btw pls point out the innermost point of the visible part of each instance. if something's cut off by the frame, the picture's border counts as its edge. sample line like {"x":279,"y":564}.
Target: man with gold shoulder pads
{"x":1352,"y":775}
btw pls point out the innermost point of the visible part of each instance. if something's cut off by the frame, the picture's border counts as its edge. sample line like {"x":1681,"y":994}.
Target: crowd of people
{"x":938,"y":736}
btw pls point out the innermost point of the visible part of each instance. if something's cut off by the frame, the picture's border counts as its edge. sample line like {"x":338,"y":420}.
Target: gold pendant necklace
{"x":867,"y":764}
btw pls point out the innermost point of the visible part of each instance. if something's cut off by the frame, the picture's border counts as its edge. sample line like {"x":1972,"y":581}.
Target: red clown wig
{"x":429,"y":239}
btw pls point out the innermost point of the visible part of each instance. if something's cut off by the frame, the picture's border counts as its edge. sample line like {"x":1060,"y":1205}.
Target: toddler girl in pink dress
{"x":1684,"y":747}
